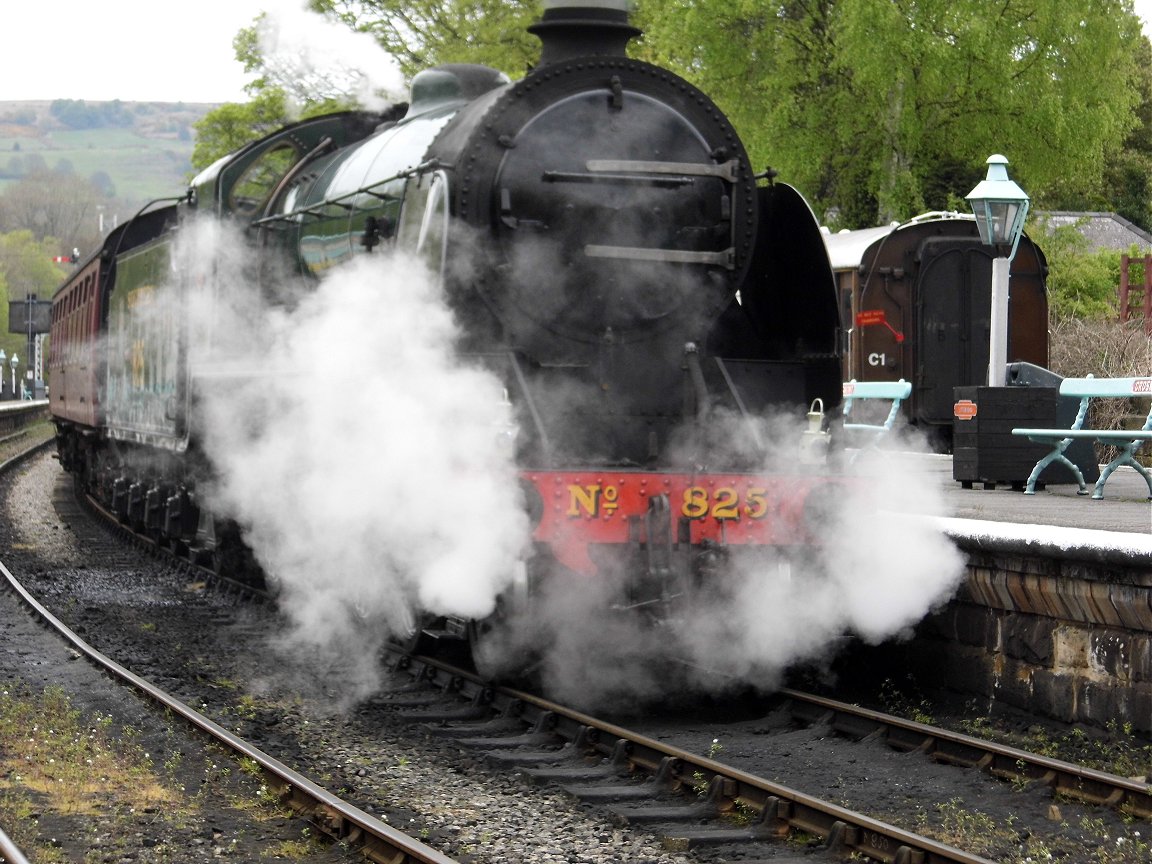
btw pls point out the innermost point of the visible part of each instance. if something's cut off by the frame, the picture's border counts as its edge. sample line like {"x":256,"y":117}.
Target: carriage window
{"x":260,"y":178}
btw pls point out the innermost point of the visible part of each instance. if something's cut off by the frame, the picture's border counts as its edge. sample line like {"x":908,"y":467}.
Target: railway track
{"x":336,"y":818}
{"x":138,"y":608}
{"x":693,"y":801}
{"x":343,"y":822}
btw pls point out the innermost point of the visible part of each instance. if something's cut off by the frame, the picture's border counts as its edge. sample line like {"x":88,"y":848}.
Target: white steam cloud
{"x":881,"y":563}
{"x":370,"y":470}
{"x":313,"y":57}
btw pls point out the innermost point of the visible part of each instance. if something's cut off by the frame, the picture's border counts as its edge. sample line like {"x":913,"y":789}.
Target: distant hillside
{"x":137,"y":150}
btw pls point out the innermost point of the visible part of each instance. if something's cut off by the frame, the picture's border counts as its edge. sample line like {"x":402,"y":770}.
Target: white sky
{"x":141,"y":50}
{"x":132,"y":50}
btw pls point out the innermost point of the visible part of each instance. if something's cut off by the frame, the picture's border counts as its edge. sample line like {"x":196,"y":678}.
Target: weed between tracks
{"x":1117,"y":750}
{"x":1002,"y":839}
{"x":65,"y":776}
{"x":73,"y":763}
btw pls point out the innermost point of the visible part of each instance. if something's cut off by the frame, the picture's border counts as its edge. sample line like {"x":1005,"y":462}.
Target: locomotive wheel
{"x":438,"y":636}
{"x":232,"y":559}
{"x":482,"y":650}
{"x":411,"y":636}
{"x":497,"y":652}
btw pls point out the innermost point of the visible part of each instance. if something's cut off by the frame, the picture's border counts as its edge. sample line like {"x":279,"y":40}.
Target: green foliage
{"x":78,"y":114}
{"x":26,"y":267}
{"x":1081,"y":283}
{"x":19,"y":117}
{"x":880,"y":108}
{"x":428,"y":32}
{"x":231,"y":126}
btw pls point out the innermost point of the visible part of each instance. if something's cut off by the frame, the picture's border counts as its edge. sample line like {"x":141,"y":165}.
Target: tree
{"x":78,"y":114}
{"x":429,"y":32}
{"x":1128,"y":176}
{"x":25,"y":268}
{"x":875,"y":107}
{"x":231,"y":126}
{"x":102,"y":181}
{"x":49,"y":204}
{"x":1081,"y":283}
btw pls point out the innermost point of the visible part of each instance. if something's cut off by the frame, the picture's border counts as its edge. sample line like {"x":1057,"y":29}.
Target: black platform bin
{"x":984,"y":450}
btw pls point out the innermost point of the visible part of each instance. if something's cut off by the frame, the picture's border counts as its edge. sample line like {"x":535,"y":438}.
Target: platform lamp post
{"x":13,"y":362}
{"x":1000,"y":207}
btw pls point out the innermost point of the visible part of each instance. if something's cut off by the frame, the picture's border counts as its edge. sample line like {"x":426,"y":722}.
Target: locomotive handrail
{"x":338,"y":201}
{"x":724,"y":258}
{"x":666,"y":180}
{"x":728,"y":171}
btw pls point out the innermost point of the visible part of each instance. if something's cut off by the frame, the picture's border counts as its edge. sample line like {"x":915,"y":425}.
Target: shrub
{"x":1081,"y":283}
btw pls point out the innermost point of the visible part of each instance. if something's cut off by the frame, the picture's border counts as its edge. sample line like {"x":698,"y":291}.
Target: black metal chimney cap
{"x":583,"y":28}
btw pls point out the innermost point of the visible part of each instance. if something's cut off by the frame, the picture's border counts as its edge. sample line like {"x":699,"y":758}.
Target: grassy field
{"x":149,"y":160}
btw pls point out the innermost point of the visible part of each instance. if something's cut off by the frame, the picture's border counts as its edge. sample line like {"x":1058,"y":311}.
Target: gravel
{"x":215,"y":656}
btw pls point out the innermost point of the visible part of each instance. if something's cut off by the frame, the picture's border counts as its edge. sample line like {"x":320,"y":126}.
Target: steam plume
{"x":367,"y":466}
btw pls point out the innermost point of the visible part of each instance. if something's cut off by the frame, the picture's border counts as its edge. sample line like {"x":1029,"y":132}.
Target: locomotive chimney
{"x":583,"y":28}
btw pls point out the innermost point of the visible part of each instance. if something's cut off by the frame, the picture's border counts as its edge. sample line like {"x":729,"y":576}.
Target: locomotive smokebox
{"x":583,"y":29}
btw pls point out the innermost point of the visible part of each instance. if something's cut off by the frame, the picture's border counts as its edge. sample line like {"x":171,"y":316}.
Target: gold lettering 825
{"x":724,"y":503}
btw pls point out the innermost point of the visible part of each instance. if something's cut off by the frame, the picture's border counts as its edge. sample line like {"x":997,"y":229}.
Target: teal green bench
{"x":855,"y":391}
{"x":1127,"y":441}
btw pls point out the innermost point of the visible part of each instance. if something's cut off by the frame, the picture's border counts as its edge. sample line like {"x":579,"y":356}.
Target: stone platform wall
{"x":1066,"y":634}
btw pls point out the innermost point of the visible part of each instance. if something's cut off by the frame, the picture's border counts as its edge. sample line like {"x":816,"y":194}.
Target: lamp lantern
{"x":1000,"y":207}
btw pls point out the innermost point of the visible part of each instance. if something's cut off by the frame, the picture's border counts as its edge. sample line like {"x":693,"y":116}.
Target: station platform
{"x":1124,"y":508}
{"x":1055,"y":518}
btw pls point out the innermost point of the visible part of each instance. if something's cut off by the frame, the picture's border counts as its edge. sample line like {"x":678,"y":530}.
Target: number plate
{"x":618,"y":507}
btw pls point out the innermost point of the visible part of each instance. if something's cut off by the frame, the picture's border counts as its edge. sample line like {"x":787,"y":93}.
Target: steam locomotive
{"x":646,"y":297}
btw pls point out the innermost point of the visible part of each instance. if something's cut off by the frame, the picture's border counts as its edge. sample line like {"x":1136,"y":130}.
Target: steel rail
{"x":781,"y":808}
{"x":9,"y":852}
{"x":1086,"y":784}
{"x":342,"y":821}
{"x":25,"y":455}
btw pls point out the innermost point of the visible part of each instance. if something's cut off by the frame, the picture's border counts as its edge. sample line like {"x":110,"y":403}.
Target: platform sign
{"x":20,"y":311}
{"x":965,"y":409}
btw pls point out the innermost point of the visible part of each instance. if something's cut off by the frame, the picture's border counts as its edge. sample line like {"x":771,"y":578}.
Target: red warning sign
{"x":871,"y":317}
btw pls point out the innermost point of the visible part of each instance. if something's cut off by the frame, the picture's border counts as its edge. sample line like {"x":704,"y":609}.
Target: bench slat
{"x":877,"y":389}
{"x":1102,"y":434}
{"x":1126,"y":441}
{"x":1106,"y":387}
